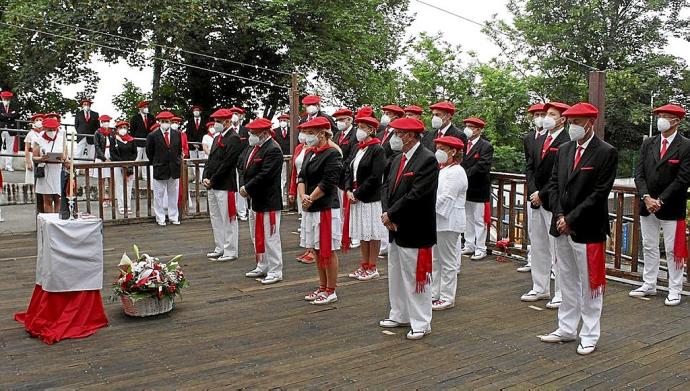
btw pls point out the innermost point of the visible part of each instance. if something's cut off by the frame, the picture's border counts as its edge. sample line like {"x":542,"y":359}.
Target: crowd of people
{"x":390,"y":187}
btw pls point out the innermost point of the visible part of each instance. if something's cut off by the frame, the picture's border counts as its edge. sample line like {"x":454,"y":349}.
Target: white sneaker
{"x":642,"y":292}
{"x":271,"y":280}
{"x":466,"y":251}
{"x":478,"y":256}
{"x":390,"y":324}
{"x":175,"y":223}
{"x":555,"y":338}
{"x":161,"y":223}
{"x":524,"y":269}
{"x":585,"y":349}
{"x":226,"y":258}
{"x":213,"y":255}
{"x":534,"y":296}
{"x":313,"y":295}
{"x":415,"y":335}
{"x":255,"y":273}
{"x":440,"y":305}
{"x":555,"y":303}
{"x":358,"y":272}
{"x":325,"y":299}
{"x":673,"y":299}
{"x":369,"y":274}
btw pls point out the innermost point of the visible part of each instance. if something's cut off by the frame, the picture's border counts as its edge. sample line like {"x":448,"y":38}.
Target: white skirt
{"x":93,"y":173}
{"x":310,"y":229}
{"x":365,"y":221}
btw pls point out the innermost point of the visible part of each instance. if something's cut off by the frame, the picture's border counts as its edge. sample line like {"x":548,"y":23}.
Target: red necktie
{"x":578,"y":156}
{"x":664,"y":145}
{"x":284,"y":133}
{"x":400,"y":171}
{"x":251,"y":155}
{"x":385,"y":136}
{"x":439,"y":134}
{"x":197,"y":124}
{"x":167,"y":139}
{"x":546,"y":146}
{"x":469,"y":146}
{"x":342,"y":137}
{"x":146,"y":122}
{"x":87,"y":116}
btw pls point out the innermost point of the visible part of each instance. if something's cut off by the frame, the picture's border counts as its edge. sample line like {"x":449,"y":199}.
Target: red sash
{"x":260,"y":235}
{"x":325,"y":236}
{"x":487,"y":213}
{"x":680,"y":245}
{"x":423,"y":274}
{"x":346,"y":223}
{"x":232,"y":208}
{"x":15,"y":147}
{"x":596,"y":267}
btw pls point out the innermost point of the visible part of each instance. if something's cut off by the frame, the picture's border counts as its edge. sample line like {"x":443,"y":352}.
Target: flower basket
{"x":147,"y":307}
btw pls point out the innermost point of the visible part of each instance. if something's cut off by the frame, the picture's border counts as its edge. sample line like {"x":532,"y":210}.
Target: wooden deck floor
{"x":231,"y":332}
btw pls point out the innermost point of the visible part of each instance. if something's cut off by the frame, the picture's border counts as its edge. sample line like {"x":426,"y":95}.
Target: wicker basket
{"x":146,"y":307}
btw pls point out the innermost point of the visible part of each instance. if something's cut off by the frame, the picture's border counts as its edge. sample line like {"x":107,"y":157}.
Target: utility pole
{"x":597,"y":97}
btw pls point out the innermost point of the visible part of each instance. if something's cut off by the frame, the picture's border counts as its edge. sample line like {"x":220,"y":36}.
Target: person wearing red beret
{"x":662,"y":178}
{"x":477,"y":163}
{"x":317,"y":188}
{"x":450,"y":221}
{"x":262,"y":188}
{"x":442,"y":125}
{"x":390,"y":114}
{"x":219,"y":179}
{"x":195,"y":129}
{"x":36,"y":129}
{"x":363,"y":183}
{"x":282,"y":137}
{"x":409,"y":194}
{"x":123,"y":149}
{"x":101,"y":141}
{"x":86,"y":123}
{"x":140,"y":125}
{"x":164,"y":151}
{"x":413,"y":111}
{"x":236,"y":120}
{"x":581,"y":182}
{"x":8,"y":120}
{"x":309,"y":256}
{"x":346,"y":138}
{"x":49,"y":182}
{"x":312,"y":106}
{"x":539,"y":168}
{"x":206,"y":144}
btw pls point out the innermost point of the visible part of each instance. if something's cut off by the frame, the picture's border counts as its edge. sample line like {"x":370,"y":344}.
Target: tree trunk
{"x":157,"y":72}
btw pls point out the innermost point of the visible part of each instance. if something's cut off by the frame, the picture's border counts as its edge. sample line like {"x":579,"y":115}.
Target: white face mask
{"x":396,"y":143}
{"x":441,"y":156}
{"x":218,"y":127}
{"x":539,"y":122}
{"x":302,"y":137}
{"x":5,"y":102}
{"x":283,"y":124}
{"x":548,"y":123}
{"x":311,"y":140}
{"x":663,"y":124}
{"x":254,"y":139}
{"x":341,"y":125}
{"x":86,"y":108}
{"x":385,"y":120}
{"x":122,"y":131}
{"x":468,"y":132}
{"x":436,"y":122}
{"x":145,"y":110}
{"x":197,"y":113}
{"x":361,"y":135}
{"x":175,"y":126}
{"x":235,"y":118}
{"x":37,"y":124}
{"x":312,"y":109}
{"x":576,"y":132}
{"x":105,"y":124}
{"x":165,"y":126}
{"x":51,"y":133}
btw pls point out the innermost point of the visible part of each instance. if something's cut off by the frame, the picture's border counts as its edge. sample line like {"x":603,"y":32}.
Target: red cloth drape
{"x":487,"y":213}
{"x":54,"y":316}
{"x":232,"y":207}
{"x":680,"y":245}
{"x":596,"y":267}
{"x":15,"y":147}
{"x":423,"y":274}
{"x":185,"y":144}
{"x":293,"y":173}
{"x":346,"y":222}
{"x":260,"y":234}
{"x":325,"y":237}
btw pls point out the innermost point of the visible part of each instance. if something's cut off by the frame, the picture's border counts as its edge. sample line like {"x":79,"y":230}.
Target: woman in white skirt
{"x":364,"y":183}
{"x":206,"y":144}
{"x":317,"y":188}
{"x":101,"y":141}
{"x":31,"y":136}
{"x":49,"y":184}
{"x":123,"y":149}
{"x":309,"y":255}
{"x":450,"y":221}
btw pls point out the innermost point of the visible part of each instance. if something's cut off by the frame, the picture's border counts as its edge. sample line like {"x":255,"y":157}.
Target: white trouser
{"x":271,"y":261}
{"x":165,"y":194}
{"x":80,"y":149}
{"x":543,"y":253}
{"x":578,"y":301}
{"x":445,"y":266}
{"x":119,"y":196}
{"x":341,"y":199}
{"x":240,"y":202}
{"x":141,"y":157}
{"x":407,"y":306}
{"x":283,"y":183}
{"x":9,"y":149}
{"x":225,"y":232}
{"x":475,"y":234}
{"x":529,"y":234}
{"x":651,"y":228}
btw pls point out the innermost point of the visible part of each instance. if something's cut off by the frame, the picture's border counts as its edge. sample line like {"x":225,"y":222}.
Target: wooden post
{"x":294,"y":112}
{"x":597,"y":97}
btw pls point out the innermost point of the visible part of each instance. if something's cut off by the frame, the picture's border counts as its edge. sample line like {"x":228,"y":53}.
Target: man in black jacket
{"x":312,"y":106}
{"x":410,"y":216}
{"x":390,"y":114}
{"x":662,"y":178}
{"x":164,"y":151}
{"x":86,"y":123}
{"x":140,"y":127}
{"x":196,"y":129}
{"x":8,"y":118}
{"x":282,"y":137}
{"x":581,"y":181}
{"x":479,"y":156}
{"x":538,"y":174}
{"x":442,"y":125}
{"x":262,"y":189}
{"x":221,"y":181}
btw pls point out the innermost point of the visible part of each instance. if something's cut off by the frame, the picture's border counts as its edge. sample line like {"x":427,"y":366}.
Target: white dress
{"x":450,"y":199}
{"x":310,"y":230}
{"x":365,"y":217}
{"x":51,"y":183}
{"x":30,"y":139}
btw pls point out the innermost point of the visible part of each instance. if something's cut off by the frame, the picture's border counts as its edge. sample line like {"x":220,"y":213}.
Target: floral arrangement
{"x":148,"y":277}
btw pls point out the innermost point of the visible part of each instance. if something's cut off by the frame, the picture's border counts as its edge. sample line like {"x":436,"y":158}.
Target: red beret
{"x":85,"y":100}
{"x":561,"y":107}
{"x":408,"y":125}
{"x":478,"y":122}
{"x":414,"y":110}
{"x":371,"y":121}
{"x":237,"y":110}
{"x":671,"y":109}
{"x":51,"y":123}
{"x":196,"y":107}
{"x":365,"y":111}
{"x":210,"y":124}
{"x":284,"y":116}
{"x":445,"y":106}
{"x":451,"y":141}
{"x":311,"y":100}
{"x":6,"y":94}
{"x":343,"y":113}
{"x":121,"y":123}
{"x":536,"y":107}
{"x":104,"y":117}
{"x":260,"y":124}
{"x":316,"y":123}
{"x":37,"y":116}
{"x":142,"y":104}
{"x":582,"y":109}
{"x":395,"y":109}
{"x":222,"y":114}
{"x":165,"y":115}
{"x":52,"y":115}
{"x":176,"y":119}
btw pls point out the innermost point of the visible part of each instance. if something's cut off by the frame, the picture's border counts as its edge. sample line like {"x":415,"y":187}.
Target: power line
{"x":154,"y":57}
{"x":484,"y":25}
{"x":152,"y":44}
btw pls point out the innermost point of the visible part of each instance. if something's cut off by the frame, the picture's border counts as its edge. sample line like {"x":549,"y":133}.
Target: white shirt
{"x":299,"y":160}
{"x":670,"y":140}
{"x":345,"y":133}
{"x":356,"y":160}
{"x":555,"y":134}
{"x":408,"y":154}
{"x":450,"y":199}
{"x":444,"y":129}
{"x":207,"y":142}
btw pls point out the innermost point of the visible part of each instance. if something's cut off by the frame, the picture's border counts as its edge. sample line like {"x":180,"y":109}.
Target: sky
{"x":427,"y":19}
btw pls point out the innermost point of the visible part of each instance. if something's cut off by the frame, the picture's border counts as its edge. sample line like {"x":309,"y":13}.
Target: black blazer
{"x":431,"y":135}
{"x":386,"y":142}
{"x":86,"y":127}
{"x":412,"y":205}
{"x":349,"y":148}
{"x":539,"y":170}
{"x":194,"y":134}
{"x":222,"y":162}
{"x":283,"y":142}
{"x":138,"y":129}
{"x":122,"y":152}
{"x":369,"y":175}
{"x":581,"y":194}
{"x":477,"y":165}
{"x":666,"y":179}
{"x":334,"y":127}
{"x":8,"y":117}
{"x":528,"y":142}
{"x":322,"y":171}
{"x":165,"y":160}
{"x":99,"y":144}
{"x":262,"y":177}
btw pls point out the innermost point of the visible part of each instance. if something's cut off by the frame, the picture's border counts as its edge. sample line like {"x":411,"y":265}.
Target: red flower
{"x":129,"y":277}
{"x":171,"y":289}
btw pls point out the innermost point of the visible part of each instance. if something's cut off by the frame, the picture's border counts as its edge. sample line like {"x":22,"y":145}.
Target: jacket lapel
{"x":586,"y":157}
{"x":669,"y":152}
{"x":656,"y":148}
{"x":475,"y":145}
